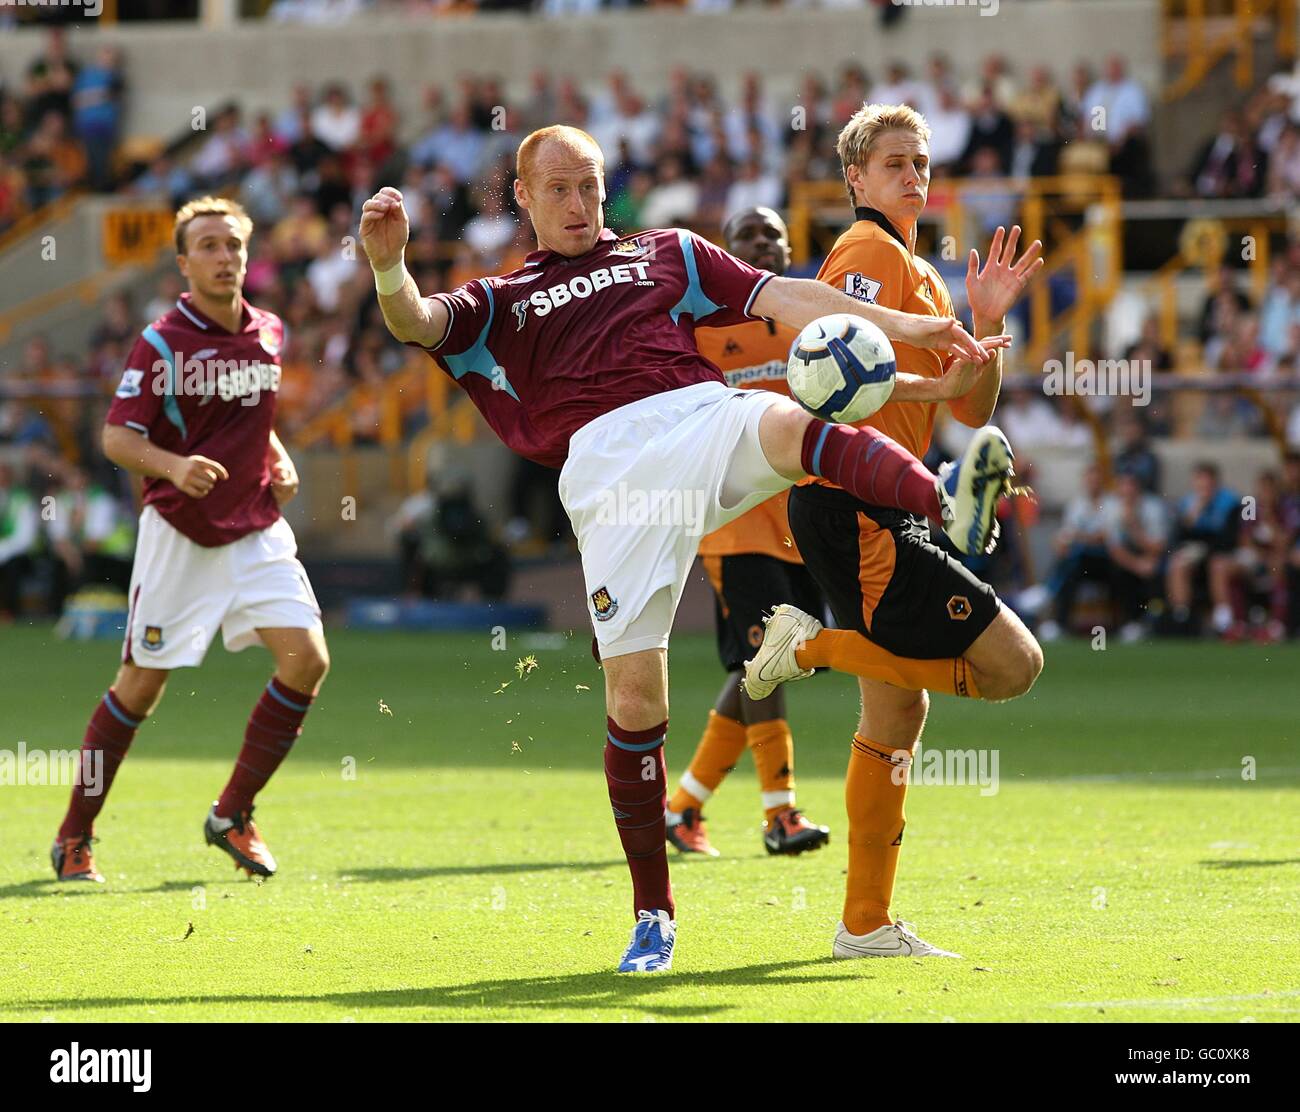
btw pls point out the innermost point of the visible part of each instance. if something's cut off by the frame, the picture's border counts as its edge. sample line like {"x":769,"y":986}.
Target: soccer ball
{"x":841,"y":368}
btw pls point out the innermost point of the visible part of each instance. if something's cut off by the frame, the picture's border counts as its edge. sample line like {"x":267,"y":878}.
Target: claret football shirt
{"x":545,"y":349}
{"x":194,"y":388}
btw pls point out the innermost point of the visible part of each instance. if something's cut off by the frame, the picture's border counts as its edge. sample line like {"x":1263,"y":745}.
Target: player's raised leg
{"x":876,"y":469}
{"x":301,"y":661}
{"x":636,"y":700}
{"x":126,"y":704}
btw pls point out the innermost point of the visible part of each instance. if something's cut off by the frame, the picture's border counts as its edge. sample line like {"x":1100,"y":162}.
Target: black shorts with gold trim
{"x":883,"y":577}
{"x":744,"y":589}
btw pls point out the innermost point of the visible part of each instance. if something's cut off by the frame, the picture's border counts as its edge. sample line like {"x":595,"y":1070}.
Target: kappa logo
{"x":959,"y":608}
{"x":732,"y":348}
{"x":604,"y":604}
{"x":863,"y":288}
{"x":153,"y":638}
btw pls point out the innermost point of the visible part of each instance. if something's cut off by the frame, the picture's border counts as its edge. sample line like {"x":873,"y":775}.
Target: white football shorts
{"x":182,"y":593}
{"x":643,"y":483}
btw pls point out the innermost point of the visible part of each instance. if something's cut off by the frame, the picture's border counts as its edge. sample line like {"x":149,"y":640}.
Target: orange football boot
{"x":72,"y":859}
{"x":689,"y":835}
{"x":240,"y":838}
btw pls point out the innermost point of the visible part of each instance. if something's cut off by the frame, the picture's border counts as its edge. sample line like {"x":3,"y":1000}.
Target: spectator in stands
{"x":1257,"y":574}
{"x":1230,"y":164}
{"x":899,"y":87}
{"x":1205,"y":535}
{"x":164,"y":298}
{"x":336,"y":121}
{"x":994,"y":76}
{"x":455,"y":144}
{"x":1033,"y":152}
{"x":97,"y":92}
{"x":1283,"y":182}
{"x":13,"y":194}
{"x":674,"y":198}
{"x":1120,"y":105}
{"x":1039,"y":104}
{"x":1224,"y":302}
{"x":268,"y":189}
{"x":379,"y":124}
{"x":221,"y":158}
{"x":991,"y":128}
{"x":994,"y":206}
{"x":91,"y":537}
{"x":755,"y":187}
{"x":53,"y":161}
{"x":289,"y":122}
{"x":1080,"y":548}
{"x":50,"y":81}
{"x":1136,"y":530}
{"x":1134,"y":455}
{"x":950,"y":130}
{"x":265,"y":144}
{"x":300,"y":236}
{"x":19,"y":535}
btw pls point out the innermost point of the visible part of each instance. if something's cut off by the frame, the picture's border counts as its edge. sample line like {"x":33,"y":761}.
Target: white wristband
{"x":389,"y":281}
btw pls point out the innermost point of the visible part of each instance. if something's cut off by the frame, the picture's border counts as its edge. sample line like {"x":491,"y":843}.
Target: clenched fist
{"x":197,"y":475}
{"x":385,"y":229}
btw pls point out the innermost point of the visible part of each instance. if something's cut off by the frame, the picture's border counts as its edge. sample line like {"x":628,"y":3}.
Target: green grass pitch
{"x":1125,"y":869}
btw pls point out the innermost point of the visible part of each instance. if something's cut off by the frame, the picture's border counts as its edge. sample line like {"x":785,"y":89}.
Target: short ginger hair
{"x":572,"y":137}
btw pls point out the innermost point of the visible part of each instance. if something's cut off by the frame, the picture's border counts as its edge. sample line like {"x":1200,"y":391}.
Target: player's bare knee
{"x":1015,"y":674}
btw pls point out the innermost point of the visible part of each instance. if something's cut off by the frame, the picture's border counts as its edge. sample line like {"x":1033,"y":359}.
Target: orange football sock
{"x":874,"y":793}
{"x":846,"y":650}
{"x":773,"y":747}
{"x":715,"y":756}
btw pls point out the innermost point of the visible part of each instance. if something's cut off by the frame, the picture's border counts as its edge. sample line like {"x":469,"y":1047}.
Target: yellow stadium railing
{"x":1201,"y":33}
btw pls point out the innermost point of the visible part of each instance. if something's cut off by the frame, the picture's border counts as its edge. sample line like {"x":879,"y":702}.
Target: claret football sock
{"x":109,"y":734}
{"x":874,"y":791}
{"x":871,"y":466}
{"x":637,"y":779}
{"x":846,"y":650}
{"x":773,"y":748}
{"x":715,"y":756}
{"x":272,"y":729}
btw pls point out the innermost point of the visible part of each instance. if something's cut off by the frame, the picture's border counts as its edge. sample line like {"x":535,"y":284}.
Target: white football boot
{"x":786,"y":629}
{"x":969,"y":491}
{"x":897,"y":940}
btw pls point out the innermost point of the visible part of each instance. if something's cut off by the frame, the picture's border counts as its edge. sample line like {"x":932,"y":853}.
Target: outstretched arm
{"x":799,"y":301}
{"x":385,"y":229}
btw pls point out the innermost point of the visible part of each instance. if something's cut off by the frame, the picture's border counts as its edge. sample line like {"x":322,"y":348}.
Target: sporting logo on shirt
{"x":863,"y":288}
{"x":130,"y":384}
{"x":580,"y":287}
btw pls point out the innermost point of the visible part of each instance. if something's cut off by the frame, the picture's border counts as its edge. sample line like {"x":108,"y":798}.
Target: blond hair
{"x":866,"y":126}
{"x":574,"y":138}
{"x":209,"y":206}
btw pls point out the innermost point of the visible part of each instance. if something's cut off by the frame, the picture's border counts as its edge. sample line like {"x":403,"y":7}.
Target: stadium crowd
{"x":690,"y":156}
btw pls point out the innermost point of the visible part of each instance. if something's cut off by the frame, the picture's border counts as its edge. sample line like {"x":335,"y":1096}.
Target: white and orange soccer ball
{"x":841,"y":368}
